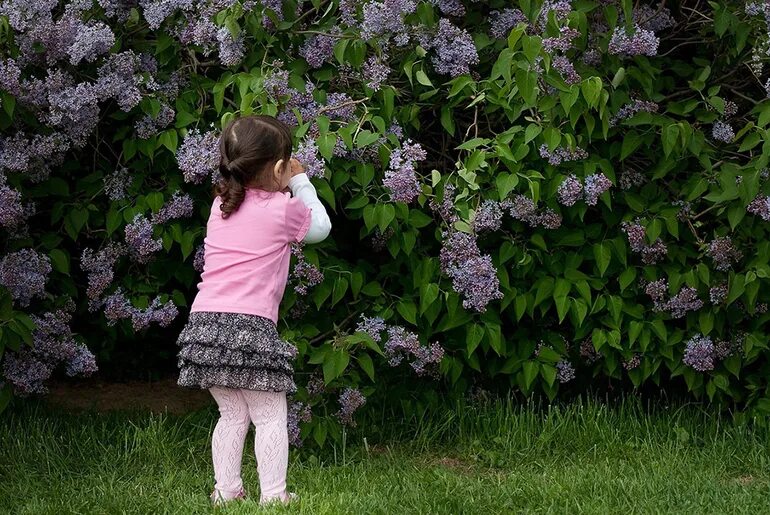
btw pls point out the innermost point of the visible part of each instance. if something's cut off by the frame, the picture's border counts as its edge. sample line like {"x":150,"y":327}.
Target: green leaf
{"x":423,"y":79}
{"x":60,"y":261}
{"x":408,"y":310}
{"x":474,"y":333}
{"x":530,"y":370}
{"x":335,"y":364}
{"x":428,"y":295}
{"x":602,"y":255}
{"x":366,"y":364}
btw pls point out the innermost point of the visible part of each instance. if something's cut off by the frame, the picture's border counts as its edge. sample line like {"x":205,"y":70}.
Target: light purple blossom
{"x":718,"y":293}
{"x":473,"y":274}
{"x":632,"y":108}
{"x":350,"y":401}
{"x":639,"y":42}
{"x":570,"y":190}
{"x":375,"y":72}
{"x":503,"y":21}
{"x":141,"y":243}
{"x":180,"y":205}
{"x":24,"y":273}
{"x":595,"y":185}
{"x":565,"y":372}
{"x":699,"y":353}
{"x":760,"y":206}
{"x":400,"y":177}
{"x":561,"y":154}
{"x":446,"y":208}
{"x":199,"y":259}
{"x":304,"y":274}
{"x":723,"y":132}
{"x":318,"y":49}
{"x":566,"y":69}
{"x":488,"y":217}
{"x":99,"y":267}
{"x":385,"y":19}
{"x":454,"y":49}
{"x":198,"y":156}
{"x":723,"y":252}
{"x":298,"y":412}
{"x":373,"y":326}
{"x":307,"y":154}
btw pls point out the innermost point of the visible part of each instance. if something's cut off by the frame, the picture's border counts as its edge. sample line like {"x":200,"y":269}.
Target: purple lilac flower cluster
{"x":53,"y":344}
{"x":640,"y":42}
{"x":304,"y":274}
{"x":24,"y":273}
{"x":685,"y":300}
{"x":562,"y":42}
{"x":523,"y":208}
{"x":199,"y":260}
{"x":588,"y":352}
{"x":455,"y":51}
{"x":315,"y":385}
{"x":380,"y":239}
{"x":561,"y":154}
{"x":12,"y":212}
{"x":723,"y":252}
{"x":403,"y":344}
{"x":501,"y":22}
{"x":385,"y":20}
{"x":632,"y":362}
{"x":373,"y":326}
{"x":148,"y":126}
{"x":180,"y":205}
{"x":566,"y":69}
{"x":141,"y":243}
{"x":699,"y":353}
{"x":723,"y":132}
{"x":473,"y":275}
{"x":571,"y":190}
{"x":565,"y":372}
{"x":117,"y":183}
{"x":118,"y":307}
{"x":651,"y":254}
{"x":400,"y":177}
{"x":718,"y":293}
{"x":319,"y":48}
{"x":298,"y":412}
{"x":350,"y":401}
{"x":100,"y":269}
{"x":488,"y":217}
{"x":653,"y":18}
{"x":632,"y":108}
{"x":375,"y":73}
{"x":198,"y":156}
{"x":760,"y":206}
{"x":450,"y":7}
{"x":446,"y":208}
{"x":307,"y":154}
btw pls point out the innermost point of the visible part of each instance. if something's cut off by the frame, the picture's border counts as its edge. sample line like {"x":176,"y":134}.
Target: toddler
{"x":263,"y":203}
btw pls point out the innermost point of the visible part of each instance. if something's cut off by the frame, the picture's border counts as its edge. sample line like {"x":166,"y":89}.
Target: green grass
{"x":581,"y":458}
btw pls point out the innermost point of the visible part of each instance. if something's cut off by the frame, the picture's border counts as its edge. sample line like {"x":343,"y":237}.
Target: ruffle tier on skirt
{"x":236,"y":350}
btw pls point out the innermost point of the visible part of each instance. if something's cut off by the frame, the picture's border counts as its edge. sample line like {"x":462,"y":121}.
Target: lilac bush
{"x":462,"y":148}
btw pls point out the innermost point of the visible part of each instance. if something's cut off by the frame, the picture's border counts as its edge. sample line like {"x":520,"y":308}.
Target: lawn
{"x":580,"y":458}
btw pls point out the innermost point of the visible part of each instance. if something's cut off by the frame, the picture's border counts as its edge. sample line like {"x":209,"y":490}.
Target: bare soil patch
{"x":162,"y":396}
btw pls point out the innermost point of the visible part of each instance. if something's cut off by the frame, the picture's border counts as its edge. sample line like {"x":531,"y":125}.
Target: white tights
{"x":267,"y":410}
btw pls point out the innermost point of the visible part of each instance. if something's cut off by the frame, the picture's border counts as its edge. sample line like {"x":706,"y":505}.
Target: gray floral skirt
{"x":236,"y":350}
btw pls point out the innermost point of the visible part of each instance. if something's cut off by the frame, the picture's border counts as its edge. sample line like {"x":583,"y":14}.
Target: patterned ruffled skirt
{"x":236,"y":350}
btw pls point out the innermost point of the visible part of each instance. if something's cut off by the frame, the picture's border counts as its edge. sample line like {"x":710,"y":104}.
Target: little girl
{"x":230,"y":344}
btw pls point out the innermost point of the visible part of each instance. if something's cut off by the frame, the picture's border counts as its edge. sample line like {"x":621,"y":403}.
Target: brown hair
{"x":249,"y":147}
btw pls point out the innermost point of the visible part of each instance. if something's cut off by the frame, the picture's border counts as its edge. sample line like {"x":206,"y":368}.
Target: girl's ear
{"x":278,"y":170}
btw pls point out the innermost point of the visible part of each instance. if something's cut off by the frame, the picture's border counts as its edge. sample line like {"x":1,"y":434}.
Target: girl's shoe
{"x":289,"y":497}
{"x":217,"y":499}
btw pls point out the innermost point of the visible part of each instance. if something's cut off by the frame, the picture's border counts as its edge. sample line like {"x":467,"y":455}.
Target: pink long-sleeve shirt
{"x":246,"y":256}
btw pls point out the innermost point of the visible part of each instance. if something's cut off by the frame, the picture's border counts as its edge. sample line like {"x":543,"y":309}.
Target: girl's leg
{"x":228,"y":439}
{"x":271,"y":441}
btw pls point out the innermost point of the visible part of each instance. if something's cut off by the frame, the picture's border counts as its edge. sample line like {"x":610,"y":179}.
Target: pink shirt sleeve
{"x":297,"y":219}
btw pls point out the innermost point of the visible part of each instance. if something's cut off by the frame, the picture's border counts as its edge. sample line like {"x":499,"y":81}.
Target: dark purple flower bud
{"x":633,"y":362}
{"x":198,"y":260}
{"x":588,"y":352}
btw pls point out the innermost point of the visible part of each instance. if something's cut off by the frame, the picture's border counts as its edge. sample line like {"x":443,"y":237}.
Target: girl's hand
{"x":296,"y":167}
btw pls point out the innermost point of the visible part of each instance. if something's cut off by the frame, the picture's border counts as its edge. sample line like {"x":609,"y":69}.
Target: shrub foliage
{"x":533,"y":197}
